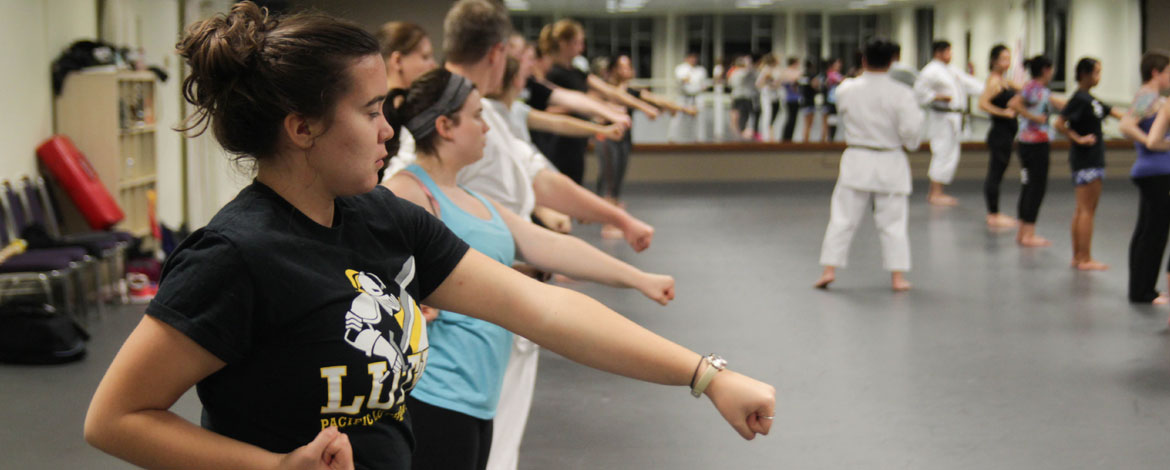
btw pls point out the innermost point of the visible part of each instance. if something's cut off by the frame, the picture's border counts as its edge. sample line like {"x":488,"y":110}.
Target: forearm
{"x":566,"y":322}
{"x":573,"y":257}
{"x":661,"y":102}
{"x":162,"y":439}
{"x":618,"y":95}
{"x":562,"y":125}
{"x":582,"y":103}
{"x":558,"y":192}
{"x":1131,"y":131}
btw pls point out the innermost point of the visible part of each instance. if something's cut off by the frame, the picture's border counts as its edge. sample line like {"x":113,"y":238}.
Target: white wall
{"x":1110,"y":31}
{"x":32,"y":42}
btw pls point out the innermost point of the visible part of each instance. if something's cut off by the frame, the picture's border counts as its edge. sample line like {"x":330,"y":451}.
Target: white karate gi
{"x":881,"y":117}
{"x":945,"y":119}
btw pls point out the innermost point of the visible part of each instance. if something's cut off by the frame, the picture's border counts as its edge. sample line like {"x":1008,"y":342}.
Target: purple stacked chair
{"x":40,"y":270}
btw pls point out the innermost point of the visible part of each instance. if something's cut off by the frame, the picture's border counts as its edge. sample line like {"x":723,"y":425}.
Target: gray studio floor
{"x":1001,"y":357}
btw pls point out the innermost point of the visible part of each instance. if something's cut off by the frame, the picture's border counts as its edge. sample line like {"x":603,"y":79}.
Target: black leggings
{"x":448,"y":440}
{"x":1001,"y":155}
{"x":1149,"y":237}
{"x":615,"y":158}
{"x":1034,"y":176}
{"x":792,"y":108}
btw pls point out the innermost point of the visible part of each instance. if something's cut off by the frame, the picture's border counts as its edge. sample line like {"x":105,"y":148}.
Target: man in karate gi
{"x":881,"y":118}
{"x":944,"y":90}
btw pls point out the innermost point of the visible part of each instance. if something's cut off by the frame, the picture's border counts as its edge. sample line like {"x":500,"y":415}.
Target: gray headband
{"x":451,"y":100}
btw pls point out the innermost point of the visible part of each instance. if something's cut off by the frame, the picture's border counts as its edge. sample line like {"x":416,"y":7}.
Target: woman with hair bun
{"x":294,"y":312}
{"x":1033,"y":105}
{"x":994,"y":101}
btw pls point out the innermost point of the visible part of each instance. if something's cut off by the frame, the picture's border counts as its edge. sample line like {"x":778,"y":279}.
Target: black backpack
{"x":32,"y":332}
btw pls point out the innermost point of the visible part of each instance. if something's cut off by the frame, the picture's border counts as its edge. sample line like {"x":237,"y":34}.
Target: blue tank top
{"x":467,"y":358}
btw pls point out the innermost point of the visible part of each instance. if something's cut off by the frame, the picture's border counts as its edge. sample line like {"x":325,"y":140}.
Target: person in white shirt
{"x":518,"y":177}
{"x":901,"y":72}
{"x":944,"y":90}
{"x":692,"y":78}
{"x":881,"y":119}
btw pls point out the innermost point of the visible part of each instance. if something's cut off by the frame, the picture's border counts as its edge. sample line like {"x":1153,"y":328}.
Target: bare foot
{"x":942,"y":200}
{"x":611,"y":232}
{"x":1162,"y":299}
{"x":826,"y":279}
{"x":1033,"y":241}
{"x":1001,"y":221}
{"x":899,"y":283}
{"x":1090,"y":265}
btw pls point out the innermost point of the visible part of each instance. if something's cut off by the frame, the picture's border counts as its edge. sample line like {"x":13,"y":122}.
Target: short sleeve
{"x":436,"y":249}
{"x":1108,"y":109}
{"x":1074,"y":110}
{"x":538,"y":94}
{"x":206,"y":293}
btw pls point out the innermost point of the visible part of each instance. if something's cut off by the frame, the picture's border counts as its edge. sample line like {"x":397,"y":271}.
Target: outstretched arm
{"x":581,"y":329}
{"x":564,"y":254}
{"x":558,"y":192}
{"x":584,"y":104}
{"x":620,"y":96}
{"x":571,"y":126}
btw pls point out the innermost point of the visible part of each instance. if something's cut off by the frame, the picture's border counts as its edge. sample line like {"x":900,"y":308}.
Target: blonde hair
{"x":552,"y":35}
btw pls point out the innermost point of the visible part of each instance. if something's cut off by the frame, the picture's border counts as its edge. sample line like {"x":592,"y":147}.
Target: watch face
{"x":718,"y":362}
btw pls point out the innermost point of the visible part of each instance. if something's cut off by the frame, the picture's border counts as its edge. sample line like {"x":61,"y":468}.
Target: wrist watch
{"x":714,"y":365}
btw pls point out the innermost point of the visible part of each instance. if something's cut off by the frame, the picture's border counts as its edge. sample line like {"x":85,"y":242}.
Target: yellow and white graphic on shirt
{"x":399,"y":345}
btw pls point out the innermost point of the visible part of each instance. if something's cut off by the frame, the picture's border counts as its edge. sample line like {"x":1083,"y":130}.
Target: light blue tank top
{"x":467,"y":358}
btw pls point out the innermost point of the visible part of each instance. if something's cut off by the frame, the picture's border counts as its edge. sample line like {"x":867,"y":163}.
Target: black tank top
{"x":1001,"y":124}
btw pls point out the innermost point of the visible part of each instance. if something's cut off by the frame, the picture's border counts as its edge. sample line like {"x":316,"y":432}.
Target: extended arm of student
{"x":571,"y":126}
{"x":558,"y":192}
{"x":666,"y":103}
{"x":1156,"y":138}
{"x":579,"y":328}
{"x":568,"y":255}
{"x":582,"y":103}
{"x":129,"y":416}
{"x":620,"y":96}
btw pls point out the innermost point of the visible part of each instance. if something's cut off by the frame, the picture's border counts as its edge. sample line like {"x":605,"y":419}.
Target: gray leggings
{"x":615,"y":158}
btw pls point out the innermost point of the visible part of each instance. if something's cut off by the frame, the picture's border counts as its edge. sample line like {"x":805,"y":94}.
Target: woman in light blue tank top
{"x":456,"y":398}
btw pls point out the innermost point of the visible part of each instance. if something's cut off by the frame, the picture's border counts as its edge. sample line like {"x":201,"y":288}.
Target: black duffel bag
{"x":33,"y":332}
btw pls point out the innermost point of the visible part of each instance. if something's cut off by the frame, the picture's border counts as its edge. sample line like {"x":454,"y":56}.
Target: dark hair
{"x":472,"y":28}
{"x":422,"y":94}
{"x":1153,"y":61}
{"x":897,"y":48}
{"x":249,"y":71}
{"x":879,"y":53}
{"x":793,"y":61}
{"x":1037,"y":65}
{"x":939,"y":46}
{"x":399,"y":36}
{"x":1085,"y":67}
{"x":996,"y":50}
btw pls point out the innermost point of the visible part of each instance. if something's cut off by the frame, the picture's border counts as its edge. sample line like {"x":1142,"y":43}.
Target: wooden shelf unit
{"x":110,"y":116}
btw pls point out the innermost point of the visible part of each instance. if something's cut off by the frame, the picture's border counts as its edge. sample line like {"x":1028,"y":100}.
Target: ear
{"x":300,"y":131}
{"x":394,"y":59}
{"x":445,"y":128}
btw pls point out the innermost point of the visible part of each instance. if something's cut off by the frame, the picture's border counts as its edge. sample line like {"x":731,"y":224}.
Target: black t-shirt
{"x":538,"y":94}
{"x":566,"y":153}
{"x":309,"y":319}
{"x":1084,"y":114}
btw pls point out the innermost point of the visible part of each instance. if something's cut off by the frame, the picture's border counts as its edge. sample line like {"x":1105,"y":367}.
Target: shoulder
{"x":406,"y":186}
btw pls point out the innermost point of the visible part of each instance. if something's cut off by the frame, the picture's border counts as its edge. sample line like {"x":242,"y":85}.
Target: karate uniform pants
{"x":515,"y":402}
{"x":944,"y":145}
{"x":683,"y":127}
{"x":890,"y":212}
